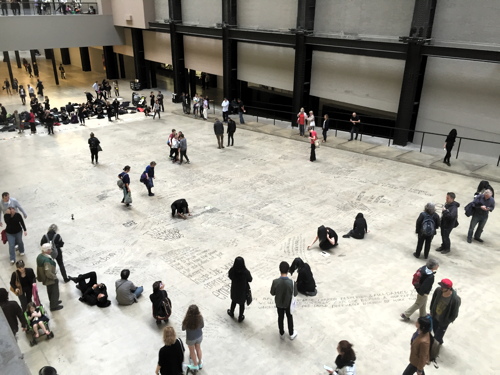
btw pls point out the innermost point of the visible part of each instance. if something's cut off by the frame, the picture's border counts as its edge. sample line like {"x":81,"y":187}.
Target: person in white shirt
{"x":225,"y":110}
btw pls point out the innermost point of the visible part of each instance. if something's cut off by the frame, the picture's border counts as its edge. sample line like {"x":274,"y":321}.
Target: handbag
{"x":469,"y":209}
{"x":249,"y":296}
{"x":99,"y":148}
{"x":293,"y":302}
{"x":128,"y":198}
{"x":316,"y":143}
{"x":18,"y":286}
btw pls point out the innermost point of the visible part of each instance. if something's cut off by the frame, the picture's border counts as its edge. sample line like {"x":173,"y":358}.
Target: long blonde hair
{"x":169,"y":336}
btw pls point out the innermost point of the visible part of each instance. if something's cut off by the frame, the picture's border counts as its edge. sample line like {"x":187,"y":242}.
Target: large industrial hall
{"x":254,"y":187}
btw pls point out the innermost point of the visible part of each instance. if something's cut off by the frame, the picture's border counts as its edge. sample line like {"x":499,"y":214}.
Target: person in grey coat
{"x":183,"y":148}
{"x":283,"y":289}
{"x":219,"y":132}
{"x":126,"y":292}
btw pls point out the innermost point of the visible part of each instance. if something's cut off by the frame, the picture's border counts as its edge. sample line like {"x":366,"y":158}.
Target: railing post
{"x":422,"y":143}
{"x":458,"y":149}
{"x":390,"y":133}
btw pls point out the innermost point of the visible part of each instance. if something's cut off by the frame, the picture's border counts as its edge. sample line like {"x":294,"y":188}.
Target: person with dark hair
{"x":14,"y":227}
{"x":448,"y":222}
{"x":12,"y":311}
{"x":39,"y":86}
{"x":94,"y":148}
{"x":180,"y":206}
{"x":359,"y":229}
{"x":231,"y":129}
{"x":426,"y":225}
{"x":327,"y":237}
{"x":482,"y":205}
{"x":193,"y":325}
{"x":31,"y":121}
{"x":47,"y":370}
{"x":445,"y":306}
{"x":49,"y":121}
{"x":305,"y":281}
{"x":423,"y":288}
{"x":219,"y":133}
{"x":22,"y":94}
{"x":159,"y":97}
{"x":355,"y":121}
{"x":171,"y":355}
{"x":284,"y":289}
{"x":183,"y":149}
{"x":240,"y":278}
{"x":21,"y":282}
{"x":53,"y":236}
{"x":126,"y":292}
{"x":326,"y":126}
{"x":482,"y":187}
{"x":448,"y":146}
{"x":345,"y":361}
{"x":241,"y":110}
{"x":93,"y":294}
{"x":161,"y":302}
{"x":127,"y":198}
{"x":313,"y":137}
{"x":148,"y":176}
{"x":420,"y":343}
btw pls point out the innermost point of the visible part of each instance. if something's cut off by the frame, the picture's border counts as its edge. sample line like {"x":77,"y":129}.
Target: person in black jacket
{"x":92,"y":293}
{"x":327,"y":237}
{"x":180,"y":206}
{"x":423,"y":288}
{"x":161,"y":302}
{"x":12,"y":311}
{"x":427,"y":224}
{"x":219,"y":132}
{"x":94,"y":148}
{"x":49,"y":121}
{"x":14,"y":227}
{"x":448,"y":222}
{"x":53,"y":236}
{"x":231,"y":129}
{"x":325,"y":127}
{"x":24,"y":277}
{"x":305,"y":281}
{"x":448,"y":145}
{"x":359,"y":228}
{"x":240,"y":277}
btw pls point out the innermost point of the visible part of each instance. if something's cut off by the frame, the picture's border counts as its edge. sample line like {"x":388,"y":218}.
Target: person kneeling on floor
{"x":305,"y":281}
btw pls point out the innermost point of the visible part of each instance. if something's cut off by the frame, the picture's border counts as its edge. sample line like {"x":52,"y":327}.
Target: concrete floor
{"x":261,"y":199}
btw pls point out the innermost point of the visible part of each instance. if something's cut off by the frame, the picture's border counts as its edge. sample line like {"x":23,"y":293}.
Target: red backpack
{"x":418,"y":277}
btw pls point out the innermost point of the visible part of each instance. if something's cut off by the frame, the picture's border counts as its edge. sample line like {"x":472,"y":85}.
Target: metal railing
{"x":47,"y":8}
{"x":365,"y":126}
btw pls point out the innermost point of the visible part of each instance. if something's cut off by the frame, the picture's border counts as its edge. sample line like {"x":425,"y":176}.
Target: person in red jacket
{"x":31,"y":120}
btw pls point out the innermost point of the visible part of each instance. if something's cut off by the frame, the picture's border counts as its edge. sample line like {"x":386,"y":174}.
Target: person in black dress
{"x":240,"y":277}
{"x":305,"y":281}
{"x":360,"y":228}
{"x":170,"y":356}
{"x":94,"y":148}
{"x":24,"y":277}
{"x":327,"y":237}
{"x":161,"y":303}
{"x":448,"y":145}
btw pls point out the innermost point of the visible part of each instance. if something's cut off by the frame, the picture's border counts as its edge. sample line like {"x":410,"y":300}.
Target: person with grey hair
{"x":46,"y":274}
{"x":427,"y":223}
{"x":422,"y":281}
{"x":55,"y":238}
{"x":482,"y":205}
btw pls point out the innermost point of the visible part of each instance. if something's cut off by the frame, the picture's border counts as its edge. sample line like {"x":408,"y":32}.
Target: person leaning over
{"x":483,"y":204}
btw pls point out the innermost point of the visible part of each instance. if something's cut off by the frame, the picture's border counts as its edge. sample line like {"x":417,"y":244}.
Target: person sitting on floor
{"x":305,"y":281}
{"x":328,"y":239}
{"x":359,"y":229}
{"x":126,"y":292}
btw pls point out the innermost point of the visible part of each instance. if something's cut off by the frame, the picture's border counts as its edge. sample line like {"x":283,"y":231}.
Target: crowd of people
{"x":44,"y":7}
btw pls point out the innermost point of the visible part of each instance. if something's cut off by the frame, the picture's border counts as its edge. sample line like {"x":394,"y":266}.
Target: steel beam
{"x":141,"y":68}
{"x":177,"y":48}
{"x":229,"y":50}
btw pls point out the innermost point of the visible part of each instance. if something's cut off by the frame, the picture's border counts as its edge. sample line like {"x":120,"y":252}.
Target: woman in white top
{"x":310,"y":120}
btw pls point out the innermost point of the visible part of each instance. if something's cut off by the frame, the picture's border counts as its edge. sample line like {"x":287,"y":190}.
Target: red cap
{"x":446,"y":283}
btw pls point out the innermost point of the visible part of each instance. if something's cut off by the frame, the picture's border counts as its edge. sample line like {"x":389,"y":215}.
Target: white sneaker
{"x":292,"y":337}
{"x":282,"y":336}
{"x":12,"y":261}
{"x":22,"y":254}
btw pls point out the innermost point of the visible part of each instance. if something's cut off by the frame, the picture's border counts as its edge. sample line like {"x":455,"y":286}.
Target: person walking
{"x":345,"y":361}
{"x":193,"y":325}
{"x":94,"y":146}
{"x":169,"y":143}
{"x":21,"y":282}
{"x":355,"y":121}
{"x":448,"y":222}
{"x":14,"y":227}
{"x":127,"y":198}
{"x":219,"y":133}
{"x":15,"y":85}
{"x":445,"y":306}
{"x":423,"y":280}
{"x":12,"y":312}
{"x":22,"y":94}
{"x":284,"y":289}
{"x":49,"y":121}
{"x":56,"y":241}
{"x":426,"y":225}
{"x":301,"y":121}
{"x":156,"y":109}
{"x":6,"y":86}
{"x":126,"y":292}
{"x":152,"y":100}
{"x":225,"y":110}
{"x":482,"y":205}
{"x":420,"y":345}
{"x":175,"y":148}
{"x":159,"y":97}
{"x":231,"y":129}
{"x":313,"y":137}
{"x":448,"y":146}
{"x":8,"y":202}
{"x":116,"y":108}
{"x":39,"y":87}
{"x":46,"y":273}
{"x":171,"y":355}
{"x":240,"y":278}
{"x":63,"y":71}
{"x":148,"y":176}
{"x":30,"y":71}
{"x":183,"y":149}
{"x":326,"y":126}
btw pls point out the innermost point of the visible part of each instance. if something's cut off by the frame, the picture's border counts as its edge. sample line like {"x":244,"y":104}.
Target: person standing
{"x":30,"y":71}
{"x":448,"y":146}
{"x":219,"y":133}
{"x":3,"y":6}
{"x":82,"y":113}
{"x":420,"y":344}
{"x":205,"y":108}
{"x":326,"y":126}
{"x":49,"y":121}
{"x":35,"y":69}
{"x":355,"y":121}
{"x":482,"y":205}
{"x":95,"y":86}
{"x":152,"y":100}
{"x":63,"y":71}
{"x":148,"y":176}
{"x":31,"y":92}
{"x":53,"y":237}
{"x":16,"y":7}
{"x":345,"y":361}
{"x":423,"y":286}
{"x":46,"y":273}
{"x":231,"y":129}
{"x":116,"y":108}
{"x":225,"y":110}
{"x":445,"y":306}
{"x":17,"y":122}
{"x":14,"y":227}
{"x":109,"y":111}
{"x":183,"y":149}
{"x":3,"y":114}
{"x":169,"y":142}
{"x":127,"y":199}
{"x":6,"y":85}
{"x":126,"y":292}
{"x":116,"y":88}
{"x":284,"y":289}
{"x":39,"y":87}
{"x":94,"y":145}
{"x":160,"y":98}
{"x":156,"y":110}
{"x":311,"y":120}
{"x":241,"y":110}
{"x":240,"y":278}
{"x":12,"y":312}
{"x":21,"y":282}
{"x":313,"y":137}
{"x":22,"y":94}
{"x":426,"y":225}
{"x":31,"y":120}
{"x":46,"y":103}
{"x":170,"y":356}
{"x":175,"y":148}
{"x":301,"y":121}
{"x":448,"y":222}
{"x":15,"y":85}
{"x":193,"y":325}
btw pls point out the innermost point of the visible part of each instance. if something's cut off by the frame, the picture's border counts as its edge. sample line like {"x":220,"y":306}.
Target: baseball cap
{"x":446,"y":283}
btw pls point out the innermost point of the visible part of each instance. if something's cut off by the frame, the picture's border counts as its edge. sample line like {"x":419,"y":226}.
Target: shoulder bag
{"x":249,"y":295}
{"x":18,"y":286}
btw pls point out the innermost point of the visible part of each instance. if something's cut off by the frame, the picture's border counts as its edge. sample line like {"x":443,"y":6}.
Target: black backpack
{"x":428,"y":226}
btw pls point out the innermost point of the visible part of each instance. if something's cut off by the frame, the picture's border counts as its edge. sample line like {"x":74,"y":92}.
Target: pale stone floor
{"x":261,"y":199}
